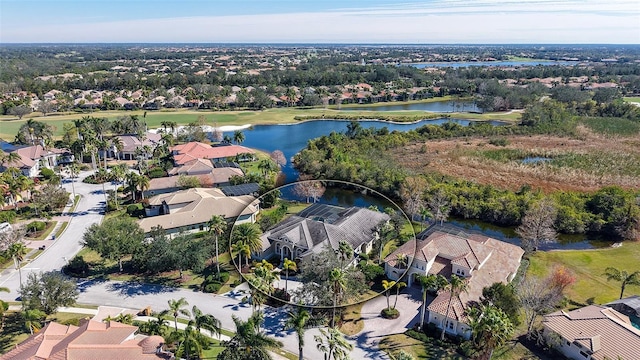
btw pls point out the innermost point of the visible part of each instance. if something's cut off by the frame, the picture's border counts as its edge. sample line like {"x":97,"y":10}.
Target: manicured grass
{"x":153,"y":119}
{"x":591,"y":285}
{"x":416,"y":348}
{"x":13,"y":332}
{"x":234,"y":277}
{"x":632,"y":99}
{"x":352,"y":323}
{"x":67,"y":318}
{"x":50,"y":226}
{"x":63,"y":227}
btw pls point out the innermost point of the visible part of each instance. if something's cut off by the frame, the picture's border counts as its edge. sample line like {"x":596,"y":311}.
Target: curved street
{"x":137,"y":296}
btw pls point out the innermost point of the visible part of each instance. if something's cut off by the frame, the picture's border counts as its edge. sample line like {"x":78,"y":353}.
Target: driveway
{"x":89,"y":211}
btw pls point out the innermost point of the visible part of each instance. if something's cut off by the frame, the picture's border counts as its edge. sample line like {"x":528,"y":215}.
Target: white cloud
{"x":442,"y":21}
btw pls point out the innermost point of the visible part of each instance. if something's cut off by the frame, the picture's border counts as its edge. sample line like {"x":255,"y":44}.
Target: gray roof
{"x":354,"y":225}
{"x":632,"y":302}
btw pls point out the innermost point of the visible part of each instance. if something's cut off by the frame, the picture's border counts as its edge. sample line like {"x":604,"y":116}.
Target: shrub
{"x":212,"y":287}
{"x":390,"y":313}
{"x":371,"y":272}
{"x":77,"y":267}
{"x":156,"y":172}
{"x":8,"y":216}
{"x":132,"y":209}
{"x":36,"y":226}
{"x":47,"y":173}
{"x":499,"y":141}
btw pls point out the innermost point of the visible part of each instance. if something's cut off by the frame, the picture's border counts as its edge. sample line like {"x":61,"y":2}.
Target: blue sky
{"x":326,"y":21}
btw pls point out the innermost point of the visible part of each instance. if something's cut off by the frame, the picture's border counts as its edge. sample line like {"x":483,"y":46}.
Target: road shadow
{"x":274,"y":322}
{"x":83,"y":284}
{"x":132,"y":288}
{"x":369,"y":344}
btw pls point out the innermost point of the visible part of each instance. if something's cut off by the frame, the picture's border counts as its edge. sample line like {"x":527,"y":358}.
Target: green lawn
{"x":632,"y":99}
{"x":10,"y":126}
{"x":588,"y":266}
{"x":416,"y":348}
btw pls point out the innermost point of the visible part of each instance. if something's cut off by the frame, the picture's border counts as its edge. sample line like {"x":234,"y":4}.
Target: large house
{"x":132,"y":145}
{"x":196,"y":150}
{"x":33,"y":158}
{"x":190,"y":210}
{"x":444,"y":251}
{"x":320,"y":226}
{"x":593,"y":332}
{"x":215,"y":178}
{"x":92,"y":340}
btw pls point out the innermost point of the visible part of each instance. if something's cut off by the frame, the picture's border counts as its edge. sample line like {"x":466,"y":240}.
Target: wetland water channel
{"x":290,"y":139}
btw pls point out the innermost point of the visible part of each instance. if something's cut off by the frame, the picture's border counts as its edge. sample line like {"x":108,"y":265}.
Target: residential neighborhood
{"x":320,"y":201}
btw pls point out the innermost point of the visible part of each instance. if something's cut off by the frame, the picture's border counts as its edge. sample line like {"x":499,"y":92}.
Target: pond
{"x":508,"y":234}
{"x":437,"y":106}
{"x":290,"y":139}
{"x":535,"y":159}
{"x":459,"y":64}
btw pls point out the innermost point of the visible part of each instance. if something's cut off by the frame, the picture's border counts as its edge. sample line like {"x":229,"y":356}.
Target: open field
{"x":635,"y":99}
{"x":9,"y":125}
{"x":588,"y":266}
{"x":586,"y":163}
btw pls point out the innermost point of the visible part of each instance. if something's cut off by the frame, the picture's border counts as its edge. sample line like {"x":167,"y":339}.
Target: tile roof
{"x":131,"y":142}
{"x":489,"y":260}
{"x":196,"y":150}
{"x":604,"y":332}
{"x":200,"y":205}
{"x":91,"y":340}
{"x":29,"y":155}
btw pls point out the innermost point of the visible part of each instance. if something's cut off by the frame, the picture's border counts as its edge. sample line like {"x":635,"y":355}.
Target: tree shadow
{"x":133,"y":288}
{"x":84,"y":284}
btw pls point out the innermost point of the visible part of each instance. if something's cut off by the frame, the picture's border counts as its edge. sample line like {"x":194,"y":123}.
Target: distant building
{"x":92,"y":340}
{"x":594,"y":333}
{"x":320,"y":226}
{"x":132,"y":145}
{"x":444,"y":251}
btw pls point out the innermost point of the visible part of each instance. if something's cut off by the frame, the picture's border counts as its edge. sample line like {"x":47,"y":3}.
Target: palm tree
{"x":241,"y":248}
{"x":205,"y":321}
{"x":298,"y":321}
{"x":345,"y":252}
{"x":217,"y":226}
{"x":387,"y":285}
{"x":399,"y":285}
{"x":249,"y":342}
{"x":338,"y":283}
{"x":33,"y":320}
{"x":288,"y":265}
{"x":143,"y":183}
{"x":623,"y":277}
{"x":424,"y":213}
{"x":190,"y":342}
{"x":156,"y":326}
{"x":74,"y":170}
{"x":456,"y":286}
{"x":238,"y":137}
{"x":249,"y":235}
{"x":17,"y":251}
{"x":132,"y":184}
{"x":333,"y":344}
{"x":176,"y":308}
{"x":429,"y":283}
{"x":490,"y":327}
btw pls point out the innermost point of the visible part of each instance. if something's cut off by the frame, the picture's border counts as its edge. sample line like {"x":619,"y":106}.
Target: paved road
{"x":88,"y":211}
{"x":138,"y":296}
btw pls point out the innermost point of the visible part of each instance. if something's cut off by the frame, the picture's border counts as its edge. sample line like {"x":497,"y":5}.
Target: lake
{"x":290,"y":139}
{"x":459,"y":64}
{"x":437,"y":106}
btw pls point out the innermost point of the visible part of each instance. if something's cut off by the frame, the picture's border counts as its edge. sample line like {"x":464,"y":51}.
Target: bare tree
{"x":412,"y":192}
{"x":20,"y":111}
{"x":279,"y":158}
{"x":537,"y":297}
{"x":538,"y":225}
{"x":309,"y":189}
{"x":46,"y":107}
{"x":439,"y":206}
